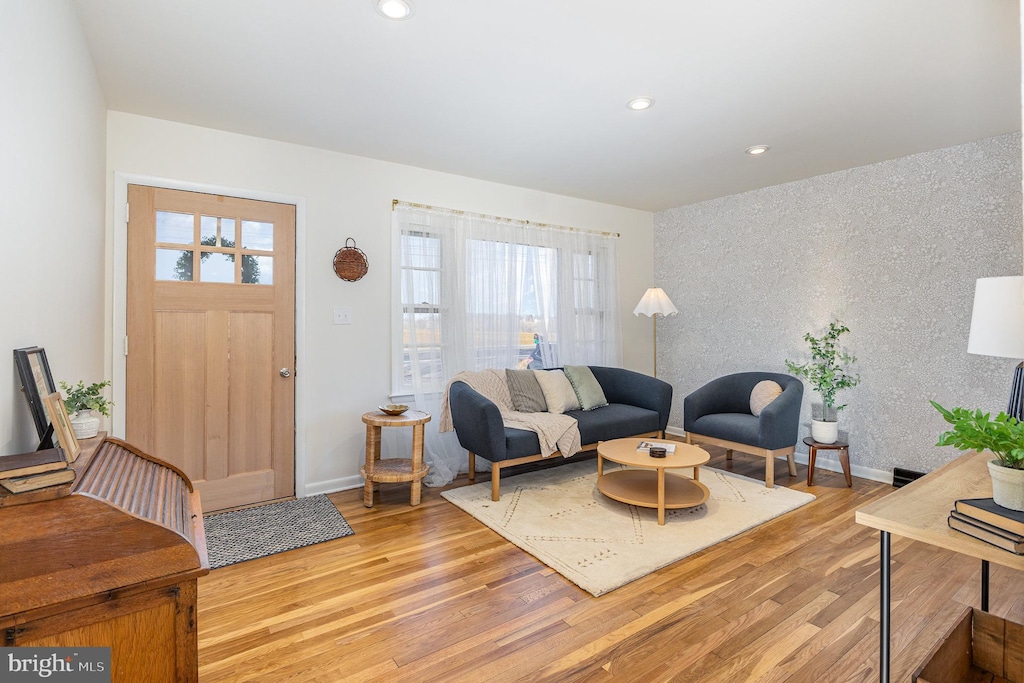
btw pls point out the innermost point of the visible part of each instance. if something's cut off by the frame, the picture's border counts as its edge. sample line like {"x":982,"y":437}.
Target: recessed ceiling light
{"x":394,"y":9}
{"x":640,"y":103}
{"x":757,"y":150}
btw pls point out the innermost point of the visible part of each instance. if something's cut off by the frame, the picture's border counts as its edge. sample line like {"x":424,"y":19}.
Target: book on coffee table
{"x":645,"y":446}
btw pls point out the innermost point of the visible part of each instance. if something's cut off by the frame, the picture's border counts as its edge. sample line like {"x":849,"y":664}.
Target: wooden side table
{"x":391,"y":470}
{"x":844,"y":457}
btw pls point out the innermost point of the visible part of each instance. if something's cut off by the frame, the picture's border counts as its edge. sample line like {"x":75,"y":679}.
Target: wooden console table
{"x":111,"y":563}
{"x":919,"y":511}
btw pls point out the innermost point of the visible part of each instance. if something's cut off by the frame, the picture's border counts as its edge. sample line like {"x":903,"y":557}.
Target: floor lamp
{"x":654,"y":303}
{"x":997,"y":329}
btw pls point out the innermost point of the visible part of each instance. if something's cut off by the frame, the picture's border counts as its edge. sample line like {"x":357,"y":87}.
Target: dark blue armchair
{"x":719,"y":414}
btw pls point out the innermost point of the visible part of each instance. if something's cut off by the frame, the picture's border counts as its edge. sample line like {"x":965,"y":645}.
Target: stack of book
{"x":983,"y":519}
{"x":36,"y":470}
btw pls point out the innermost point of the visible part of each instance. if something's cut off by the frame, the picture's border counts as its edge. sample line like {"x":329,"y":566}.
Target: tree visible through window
{"x":250,"y":263}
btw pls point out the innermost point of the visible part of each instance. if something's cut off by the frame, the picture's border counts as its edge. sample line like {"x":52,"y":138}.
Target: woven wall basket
{"x":350,"y":262}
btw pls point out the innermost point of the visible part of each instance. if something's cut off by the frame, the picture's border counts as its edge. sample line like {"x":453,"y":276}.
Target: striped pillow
{"x":527,"y":396}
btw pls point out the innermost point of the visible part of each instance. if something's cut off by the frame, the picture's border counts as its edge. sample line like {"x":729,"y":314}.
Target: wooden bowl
{"x":393,"y":409}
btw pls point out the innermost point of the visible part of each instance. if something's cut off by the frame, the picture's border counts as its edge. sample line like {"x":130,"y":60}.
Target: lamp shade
{"x":655,"y":301}
{"x":997,"y":323}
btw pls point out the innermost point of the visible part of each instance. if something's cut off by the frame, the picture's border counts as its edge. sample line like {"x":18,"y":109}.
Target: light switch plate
{"x":343,"y":316}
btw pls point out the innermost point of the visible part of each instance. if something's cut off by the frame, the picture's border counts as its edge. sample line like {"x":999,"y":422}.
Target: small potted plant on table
{"x":1003,"y":437}
{"x":83,"y":402}
{"x":827,"y":372}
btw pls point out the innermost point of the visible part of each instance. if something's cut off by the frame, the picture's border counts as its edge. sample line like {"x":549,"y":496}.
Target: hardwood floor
{"x":429,"y":594}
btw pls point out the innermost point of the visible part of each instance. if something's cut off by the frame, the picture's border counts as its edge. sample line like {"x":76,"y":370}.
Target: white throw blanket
{"x":556,"y":433}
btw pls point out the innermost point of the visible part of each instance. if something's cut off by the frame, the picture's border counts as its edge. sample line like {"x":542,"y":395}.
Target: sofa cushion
{"x":763,"y":393}
{"x":614,"y":421}
{"x":739,"y":427}
{"x":527,"y":396}
{"x":558,"y":392}
{"x":588,"y":389}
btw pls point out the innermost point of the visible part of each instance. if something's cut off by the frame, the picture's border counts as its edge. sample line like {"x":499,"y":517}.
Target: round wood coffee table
{"x":649,"y":485}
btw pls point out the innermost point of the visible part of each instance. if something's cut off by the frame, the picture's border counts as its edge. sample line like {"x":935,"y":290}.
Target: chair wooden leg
{"x":769,"y":472}
{"x":792,"y":464}
{"x":495,"y":481}
{"x":728,"y":454}
{"x":472,"y":467}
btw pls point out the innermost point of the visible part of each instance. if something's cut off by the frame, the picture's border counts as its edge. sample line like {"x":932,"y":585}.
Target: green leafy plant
{"x":827,"y":371}
{"x":1003,"y":435}
{"x":83,"y":397}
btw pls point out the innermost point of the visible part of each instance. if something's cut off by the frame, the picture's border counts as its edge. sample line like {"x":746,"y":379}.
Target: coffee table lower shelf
{"x":640,"y":488}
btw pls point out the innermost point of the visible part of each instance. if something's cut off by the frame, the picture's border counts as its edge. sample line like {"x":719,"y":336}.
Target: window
{"x":475,"y":292}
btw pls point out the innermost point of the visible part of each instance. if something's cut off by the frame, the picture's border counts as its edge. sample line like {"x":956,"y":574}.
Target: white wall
{"x":52,"y":133}
{"x":345,"y":370}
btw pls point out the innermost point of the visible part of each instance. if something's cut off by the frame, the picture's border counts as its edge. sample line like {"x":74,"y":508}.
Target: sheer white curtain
{"x":476,"y":292}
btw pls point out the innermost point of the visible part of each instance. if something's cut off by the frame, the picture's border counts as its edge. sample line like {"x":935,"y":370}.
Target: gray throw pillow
{"x":588,"y":389}
{"x":527,"y":396}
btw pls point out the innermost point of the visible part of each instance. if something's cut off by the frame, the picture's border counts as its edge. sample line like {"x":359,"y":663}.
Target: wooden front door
{"x":211,"y":341}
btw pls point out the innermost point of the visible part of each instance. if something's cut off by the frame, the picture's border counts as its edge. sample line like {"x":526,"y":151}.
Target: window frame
{"x":565,"y":277}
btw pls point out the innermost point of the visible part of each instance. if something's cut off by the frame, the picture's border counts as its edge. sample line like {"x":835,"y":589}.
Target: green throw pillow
{"x":588,"y":389}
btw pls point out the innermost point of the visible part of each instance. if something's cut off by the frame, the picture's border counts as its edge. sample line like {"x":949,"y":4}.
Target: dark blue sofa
{"x":638,"y":405}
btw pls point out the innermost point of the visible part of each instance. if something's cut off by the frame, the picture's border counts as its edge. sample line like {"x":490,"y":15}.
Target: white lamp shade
{"x":655,"y":301}
{"x":997,"y":323}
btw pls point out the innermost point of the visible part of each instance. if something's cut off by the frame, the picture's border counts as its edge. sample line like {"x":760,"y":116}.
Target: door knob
{"x":285,"y":372}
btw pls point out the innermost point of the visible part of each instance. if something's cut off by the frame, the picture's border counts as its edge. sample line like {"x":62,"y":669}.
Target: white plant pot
{"x":85,"y":425}
{"x":1007,"y":486}
{"x":824,"y":432}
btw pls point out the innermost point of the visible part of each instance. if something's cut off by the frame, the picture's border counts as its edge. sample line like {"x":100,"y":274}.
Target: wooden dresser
{"x":112,"y":562}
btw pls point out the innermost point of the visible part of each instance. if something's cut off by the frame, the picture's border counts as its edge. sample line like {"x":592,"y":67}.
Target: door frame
{"x":119,"y":297}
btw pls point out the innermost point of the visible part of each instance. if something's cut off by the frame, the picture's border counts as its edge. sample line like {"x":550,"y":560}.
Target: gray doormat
{"x":241,"y":535}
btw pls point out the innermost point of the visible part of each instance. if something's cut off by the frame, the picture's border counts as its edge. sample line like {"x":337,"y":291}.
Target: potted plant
{"x":1003,"y":436}
{"x":82,"y":400}
{"x":828,"y":374}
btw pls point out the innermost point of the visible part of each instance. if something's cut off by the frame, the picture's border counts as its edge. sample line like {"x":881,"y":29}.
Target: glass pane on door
{"x":174,"y":264}
{"x":216,"y":267}
{"x":256,"y":235}
{"x":217,"y":232}
{"x":175,"y":228}
{"x":257,"y":270}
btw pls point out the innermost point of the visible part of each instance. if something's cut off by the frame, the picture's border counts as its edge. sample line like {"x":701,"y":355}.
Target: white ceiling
{"x":533,"y":92}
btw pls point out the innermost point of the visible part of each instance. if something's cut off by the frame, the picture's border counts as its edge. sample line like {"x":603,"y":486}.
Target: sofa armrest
{"x":707,"y":400}
{"x":477,"y":421}
{"x":636,"y":389}
{"x":779,"y":422}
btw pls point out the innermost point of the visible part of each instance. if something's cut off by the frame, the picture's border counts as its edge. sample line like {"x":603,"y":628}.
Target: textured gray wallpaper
{"x":891,"y":249}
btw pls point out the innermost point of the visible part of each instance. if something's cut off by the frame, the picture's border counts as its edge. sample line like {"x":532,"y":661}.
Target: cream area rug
{"x":558,"y":516}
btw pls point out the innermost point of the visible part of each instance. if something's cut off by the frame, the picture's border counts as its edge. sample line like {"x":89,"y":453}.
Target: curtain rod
{"x":397,"y":202}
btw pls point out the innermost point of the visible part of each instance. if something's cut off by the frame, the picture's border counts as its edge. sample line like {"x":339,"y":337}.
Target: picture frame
{"x":63,"y":434}
{"x":36,"y":383}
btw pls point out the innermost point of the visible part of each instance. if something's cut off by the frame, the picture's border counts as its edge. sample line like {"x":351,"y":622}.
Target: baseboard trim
{"x":822,"y":462}
{"x":333,"y":485}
